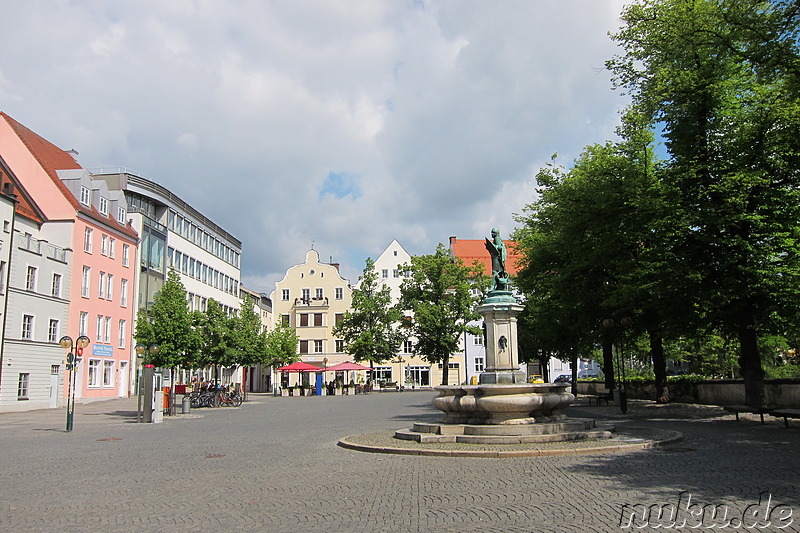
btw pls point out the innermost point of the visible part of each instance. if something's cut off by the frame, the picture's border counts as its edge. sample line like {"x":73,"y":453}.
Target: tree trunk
{"x":659,"y":367}
{"x":545,"y":357}
{"x":445,"y":370}
{"x":750,"y":358}
{"x":608,"y":364}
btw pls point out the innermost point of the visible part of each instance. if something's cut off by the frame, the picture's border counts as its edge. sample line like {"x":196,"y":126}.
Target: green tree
{"x":371,"y":328}
{"x":281,"y":346}
{"x":247,"y":338}
{"x":216,"y":332}
{"x":167,"y":325}
{"x":438,"y":292}
{"x":722,"y":80}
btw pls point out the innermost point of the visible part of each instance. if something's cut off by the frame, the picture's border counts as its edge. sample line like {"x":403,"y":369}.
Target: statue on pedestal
{"x":497,"y":249}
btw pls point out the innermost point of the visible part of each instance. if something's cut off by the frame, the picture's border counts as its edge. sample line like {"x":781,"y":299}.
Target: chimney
{"x":74,"y":153}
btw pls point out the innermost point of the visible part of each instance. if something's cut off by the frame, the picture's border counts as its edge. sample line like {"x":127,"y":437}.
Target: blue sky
{"x":343,"y":123}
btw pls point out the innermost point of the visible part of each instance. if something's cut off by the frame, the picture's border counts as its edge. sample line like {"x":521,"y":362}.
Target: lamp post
{"x":71,"y":366}
{"x":140,"y":352}
{"x":622,"y":391}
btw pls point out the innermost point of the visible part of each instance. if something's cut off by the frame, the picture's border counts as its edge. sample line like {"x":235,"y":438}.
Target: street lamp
{"x":625,"y":322}
{"x":71,"y":366}
{"x":140,"y":352}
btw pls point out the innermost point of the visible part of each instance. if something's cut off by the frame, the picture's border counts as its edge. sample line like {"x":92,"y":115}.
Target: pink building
{"x":93,"y":223}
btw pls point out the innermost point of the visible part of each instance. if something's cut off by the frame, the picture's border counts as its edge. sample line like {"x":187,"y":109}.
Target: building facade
{"x":259,"y":377}
{"x":85,"y":227}
{"x":310,"y":298}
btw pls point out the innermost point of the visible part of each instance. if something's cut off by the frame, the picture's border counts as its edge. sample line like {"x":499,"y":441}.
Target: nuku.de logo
{"x":688,"y":515}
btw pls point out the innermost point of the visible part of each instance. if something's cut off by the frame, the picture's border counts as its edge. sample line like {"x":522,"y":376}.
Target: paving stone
{"x":274,"y":465}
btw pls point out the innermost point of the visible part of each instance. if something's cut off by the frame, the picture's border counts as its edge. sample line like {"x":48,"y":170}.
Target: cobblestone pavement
{"x":273,"y":465}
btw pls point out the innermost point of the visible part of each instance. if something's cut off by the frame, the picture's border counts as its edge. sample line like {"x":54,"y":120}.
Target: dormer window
{"x":121,"y":215}
{"x":86,"y":198}
{"x":104,"y":206}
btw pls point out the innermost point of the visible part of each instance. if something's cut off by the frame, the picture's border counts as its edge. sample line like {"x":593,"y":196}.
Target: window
{"x":479,"y":364}
{"x":385,"y":273}
{"x":284,"y":320}
{"x":303,"y":347}
{"x":317,"y":319}
{"x":317,"y":346}
{"x":112,"y":248}
{"x":86,"y":197}
{"x":123,"y":293}
{"x":125,"y":250}
{"x":104,"y":206}
{"x":85,"y":281}
{"x":121,"y":215}
{"x":285,"y":295}
{"x":408,"y":346}
{"x":110,"y":287}
{"x":303,"y":319}
{"x":22,"y":386}
{"x":52,"y":331}
{"x":27,"y":327}
{"x":339,"y":346}
{"x":30,"y":279}
{"x":318,"y":294}
{"x":94,"y":372}
{"x":108,"y":373}
{"x":2,"y":277}
{"x":122,"y":331}
{"x":87,"y":240}
{"x":339,"y":293}
{"x":477,"y":340}
{"x":337,"y":318}
{"x":107,"y":331}
{"x":99,"y":333}
{"x":56,"y":285}
{"x":104,"y":245}
{"x":306,"y":295}
{"x":102,"y":286}
{"x":396,"y":273}
{"x":84,"y":323}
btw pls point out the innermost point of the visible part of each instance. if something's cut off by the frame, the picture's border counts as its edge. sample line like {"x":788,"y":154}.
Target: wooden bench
{"x":786,"y":414}
{"x":390,"y":385}
{"x":601,"y":397}
{"x":747,"y":409}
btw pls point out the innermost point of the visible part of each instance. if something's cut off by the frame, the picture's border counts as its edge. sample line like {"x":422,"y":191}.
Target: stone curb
{"x":351,"y":442}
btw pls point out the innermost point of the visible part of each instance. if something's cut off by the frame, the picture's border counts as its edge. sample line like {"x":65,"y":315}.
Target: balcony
{"x":312,"y":303}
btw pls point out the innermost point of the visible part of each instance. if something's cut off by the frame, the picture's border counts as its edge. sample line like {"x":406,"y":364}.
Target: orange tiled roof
{"x":468,"y":250}
{"x":52,"y":158}
{"x":25,"y":205}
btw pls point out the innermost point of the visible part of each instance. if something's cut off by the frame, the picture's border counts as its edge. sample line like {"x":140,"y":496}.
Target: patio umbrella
{"x":346,"y":366}
{"x":299,"y":366}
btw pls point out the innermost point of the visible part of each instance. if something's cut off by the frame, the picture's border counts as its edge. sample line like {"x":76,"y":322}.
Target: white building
{"x":34,"y":283}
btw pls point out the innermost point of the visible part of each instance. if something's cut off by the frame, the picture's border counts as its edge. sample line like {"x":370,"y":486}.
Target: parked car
{"x":563,"y":378}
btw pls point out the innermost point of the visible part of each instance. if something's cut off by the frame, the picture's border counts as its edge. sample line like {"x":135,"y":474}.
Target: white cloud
{"x":443,"y":109}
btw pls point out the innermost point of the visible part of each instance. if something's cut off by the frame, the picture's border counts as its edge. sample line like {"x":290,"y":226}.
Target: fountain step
{"x":410,"y":434}
{"x":563,"y":426}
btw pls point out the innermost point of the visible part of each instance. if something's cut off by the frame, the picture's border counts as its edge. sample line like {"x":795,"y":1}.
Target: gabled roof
{"x":468,"y":250}
{"x":52,"y":159}
{"x":25,"y":205}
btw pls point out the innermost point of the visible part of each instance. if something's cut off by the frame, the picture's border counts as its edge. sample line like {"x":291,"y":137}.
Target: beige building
{"x":310,"y":298}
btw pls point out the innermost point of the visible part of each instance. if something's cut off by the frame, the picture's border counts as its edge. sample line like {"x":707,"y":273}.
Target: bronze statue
{"x":497,"y":249}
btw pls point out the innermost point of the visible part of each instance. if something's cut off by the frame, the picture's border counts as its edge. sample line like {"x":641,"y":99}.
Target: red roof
{"x":52,"y":159}
{"x":468,"y":250}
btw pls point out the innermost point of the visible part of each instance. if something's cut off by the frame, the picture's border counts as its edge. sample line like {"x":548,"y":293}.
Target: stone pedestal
{"x":499,"y":311}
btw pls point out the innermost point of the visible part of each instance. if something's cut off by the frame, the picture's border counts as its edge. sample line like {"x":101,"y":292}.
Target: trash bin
{"x":186,"y":405}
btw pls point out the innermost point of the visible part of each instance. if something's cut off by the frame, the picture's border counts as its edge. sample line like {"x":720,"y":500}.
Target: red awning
{"x":346,"y":366}
{"x":299,"y":367}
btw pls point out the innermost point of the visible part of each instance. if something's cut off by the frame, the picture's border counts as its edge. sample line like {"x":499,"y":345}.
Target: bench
{"x":747,"y":409}
{"x":601,"y":397}
{"x":786,"y":414}
{"x":390,"y":385}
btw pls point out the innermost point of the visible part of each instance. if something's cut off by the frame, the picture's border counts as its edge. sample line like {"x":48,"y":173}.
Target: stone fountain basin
{"x":519,"y":403}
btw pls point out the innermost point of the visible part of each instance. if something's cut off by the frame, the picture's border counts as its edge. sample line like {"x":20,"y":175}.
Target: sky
{"x":334,"y":124}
